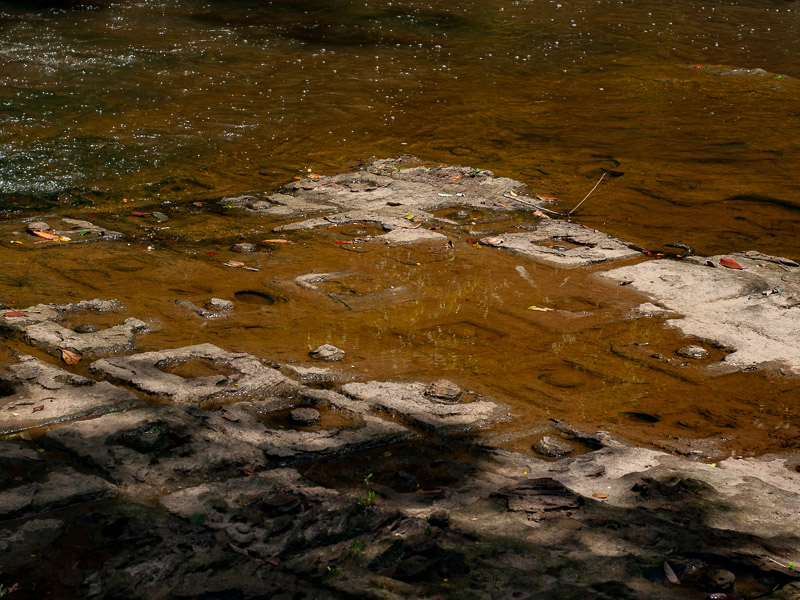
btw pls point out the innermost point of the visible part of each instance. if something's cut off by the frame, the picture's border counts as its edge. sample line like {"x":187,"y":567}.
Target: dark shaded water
{"x":691,"y":106}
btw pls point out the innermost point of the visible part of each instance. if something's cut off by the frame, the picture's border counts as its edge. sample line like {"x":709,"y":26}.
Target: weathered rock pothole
{"x":40,"y":326}
{"x":149,"y":372}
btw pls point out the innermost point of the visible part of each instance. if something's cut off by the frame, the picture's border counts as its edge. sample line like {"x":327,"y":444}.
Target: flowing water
{"x":690,"y":106}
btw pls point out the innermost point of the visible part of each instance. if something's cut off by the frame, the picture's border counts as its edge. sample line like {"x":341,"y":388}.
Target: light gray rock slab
{"x":39,"y":393}
{"x":734,"y":308}
{"x":410,"y":401}
{"x":248,"y":375}
{"x":344,"y":427}
{"x":564,"y":244}
{"x":154,"y":449}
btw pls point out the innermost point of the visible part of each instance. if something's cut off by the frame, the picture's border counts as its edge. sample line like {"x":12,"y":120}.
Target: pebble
{"x":693,"y":351}
{"x":305,"y":416}
{"x":444,"y":391}
{"x":327,"y":352}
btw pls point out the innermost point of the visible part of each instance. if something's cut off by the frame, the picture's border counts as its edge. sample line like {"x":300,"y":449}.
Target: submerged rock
{"x":553,"y":447}
{"x":328,"y":352}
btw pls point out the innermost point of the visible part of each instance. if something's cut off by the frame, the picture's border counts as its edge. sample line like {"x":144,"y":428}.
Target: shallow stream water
{"x":690,"y":107}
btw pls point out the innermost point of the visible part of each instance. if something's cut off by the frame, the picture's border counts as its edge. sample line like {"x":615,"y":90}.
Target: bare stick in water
{"x":589,"y":194}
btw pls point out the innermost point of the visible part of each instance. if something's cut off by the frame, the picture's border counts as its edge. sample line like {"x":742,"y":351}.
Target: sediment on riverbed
{"x":197,"y":471}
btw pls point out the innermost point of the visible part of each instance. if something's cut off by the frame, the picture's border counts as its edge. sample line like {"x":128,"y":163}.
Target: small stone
{"x":160,"y":217}
{"x":439,"y":518}
{"x":444,"y":391}
{"x":553,"y":447}
{"x":38,"y":226}
{"x":305,"y":416}
{"x":219,"y":304}
{"x":693,"y":351}
{"x":86,"y":329}
{"x":327,"y":352}
{"x":717,"y":580}
{"x":244,"y":248}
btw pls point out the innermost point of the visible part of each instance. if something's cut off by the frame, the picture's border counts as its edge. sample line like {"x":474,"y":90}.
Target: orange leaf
{"x":601,"y":496}
{"x":731,"y":264}
{"x":44,"y":234}
{"x":70,"y":357}
{"x":15,"y":313}
{"x":278,"y":241}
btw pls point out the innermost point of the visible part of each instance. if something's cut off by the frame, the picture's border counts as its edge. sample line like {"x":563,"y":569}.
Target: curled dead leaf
{"x":600,"y":496}
{"x":47,"y":235}
{"x":70,"y":356}
{"x":494,"y":241}
{"x":730,"y":263}
{"x":540,"y":214}
{"x":240,"y":265}
{"x":38,"y":408}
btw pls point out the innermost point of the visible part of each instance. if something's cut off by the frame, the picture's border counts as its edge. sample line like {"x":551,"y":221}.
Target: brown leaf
{"x":48,"y":235}
{"x":277,"y":241}
{"x":70,"y":356}
{"x":230,"y":418}
{"x":138,"y":213}
{"x":731,"y":264}
{"x":38,"y":408}
{"x":14,"y":313}
{"x":540,"y":214}
{"x":601,"y":496}
{"x":542,"y":198}
{"x":494,"y":241}
{"x":240,"y":265}
{"x":247,"y":470}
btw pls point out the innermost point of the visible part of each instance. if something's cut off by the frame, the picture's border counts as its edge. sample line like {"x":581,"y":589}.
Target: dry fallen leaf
{"x":540,"y":214}
{"x":38,"y":408}
{"x":601,"y":496}
{"x":240,"y":265}
{"x":14,"y":313}
{"x":277,"y":241}
{"x":494,"y":241}
{"x":540,"y":309}
{"x":139,"y":213}
{"x":70,"y":357}
{"x":731,"y":264}
{"x":48,"y":235}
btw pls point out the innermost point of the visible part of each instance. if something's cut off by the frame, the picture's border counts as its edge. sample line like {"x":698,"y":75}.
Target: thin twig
{"x":589,"y":194}
{"x":552,"y":212}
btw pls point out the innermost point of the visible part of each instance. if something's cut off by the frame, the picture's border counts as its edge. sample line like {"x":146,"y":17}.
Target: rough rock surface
{"x":36,"y":393}
{"x":410,"y":401}
{"x":352,"y":428}
{"x":40,"y":326}
{"x":356,"y":301}
{"x":388,"y":192}
{"x":147,"y":372}
{"x":41,"y":483}
{"x":753,"y":310}
{"x":153,"y":449}
{"x":564,"y":244}
{"x":214,"y":309}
